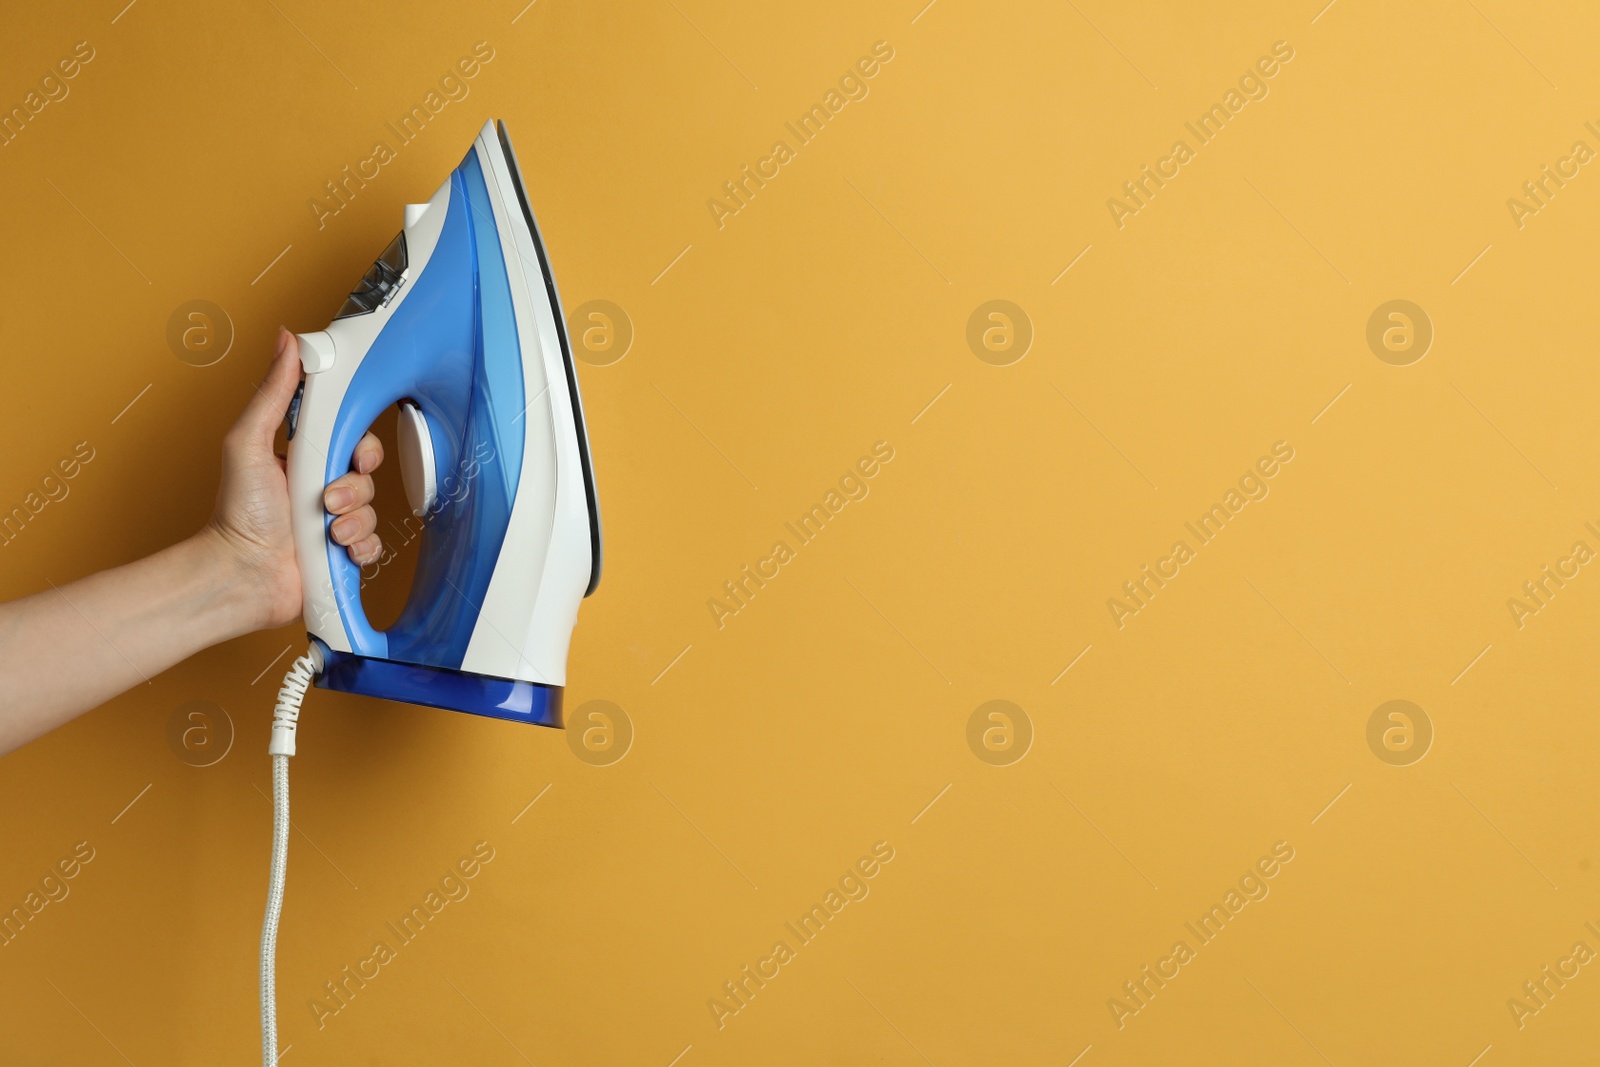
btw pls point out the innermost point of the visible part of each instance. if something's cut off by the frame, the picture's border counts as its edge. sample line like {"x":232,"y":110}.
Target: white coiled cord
{"x":285,"y":717}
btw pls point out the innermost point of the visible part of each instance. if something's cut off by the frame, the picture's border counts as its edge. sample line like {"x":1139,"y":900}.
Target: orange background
{"x":832,"y":712}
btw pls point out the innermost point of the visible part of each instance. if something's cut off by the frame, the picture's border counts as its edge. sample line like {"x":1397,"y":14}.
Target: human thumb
{"x":271,"y":400}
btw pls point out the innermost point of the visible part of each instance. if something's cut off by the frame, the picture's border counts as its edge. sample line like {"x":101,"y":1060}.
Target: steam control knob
{"x":418,"y":472}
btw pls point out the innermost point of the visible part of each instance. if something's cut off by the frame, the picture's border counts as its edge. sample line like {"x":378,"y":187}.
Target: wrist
{"x":236,"y":600}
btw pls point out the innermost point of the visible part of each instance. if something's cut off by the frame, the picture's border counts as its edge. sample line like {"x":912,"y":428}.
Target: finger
{"x":348,"y":529}
{"x":369,"y":453}
{"x":348,"y":492}
{"x":367,"y":550}
{"x":271,"y":400}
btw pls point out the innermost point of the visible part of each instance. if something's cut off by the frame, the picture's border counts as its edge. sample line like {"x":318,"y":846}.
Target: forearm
{"x":73,"y":647}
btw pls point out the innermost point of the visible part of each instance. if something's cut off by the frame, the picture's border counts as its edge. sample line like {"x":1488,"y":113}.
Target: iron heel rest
{"x":436,"y":687}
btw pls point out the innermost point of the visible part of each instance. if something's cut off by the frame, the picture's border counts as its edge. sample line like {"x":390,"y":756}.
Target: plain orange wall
{"x":845,"y":707}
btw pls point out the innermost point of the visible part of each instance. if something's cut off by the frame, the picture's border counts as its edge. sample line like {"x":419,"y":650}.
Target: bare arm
{"x":70,"y":648}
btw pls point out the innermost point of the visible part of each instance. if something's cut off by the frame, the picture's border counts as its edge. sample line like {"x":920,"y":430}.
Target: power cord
{"x":285,"y":717}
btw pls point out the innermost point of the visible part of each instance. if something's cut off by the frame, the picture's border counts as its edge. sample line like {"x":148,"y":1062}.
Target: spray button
{"x":291,"y":418}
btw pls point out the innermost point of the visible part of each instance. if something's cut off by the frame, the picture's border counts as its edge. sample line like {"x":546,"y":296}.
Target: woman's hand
{"x":251,"y":520}
{"x":71,"y":647}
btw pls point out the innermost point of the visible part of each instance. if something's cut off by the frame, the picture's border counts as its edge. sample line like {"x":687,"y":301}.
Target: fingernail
{"x":342,"y":530}
{"x":337,"y":498}
{"x":364,"y":463}
{"x":283,"y":339}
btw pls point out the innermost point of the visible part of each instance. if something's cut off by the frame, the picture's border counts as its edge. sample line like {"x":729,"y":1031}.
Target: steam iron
{"x":458,"y":322}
